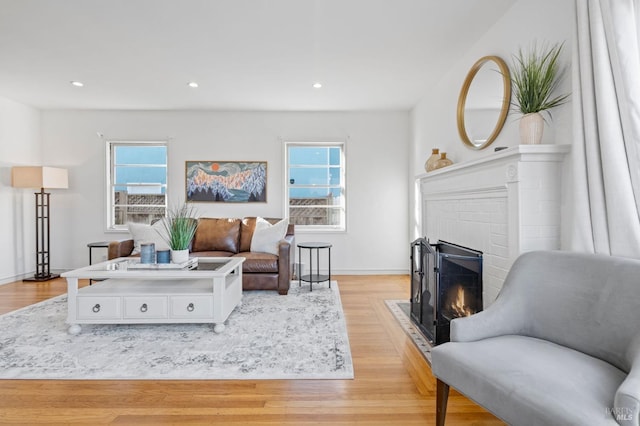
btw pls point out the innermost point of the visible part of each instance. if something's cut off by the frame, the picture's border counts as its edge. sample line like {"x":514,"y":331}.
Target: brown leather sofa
{"x":226,"y":237}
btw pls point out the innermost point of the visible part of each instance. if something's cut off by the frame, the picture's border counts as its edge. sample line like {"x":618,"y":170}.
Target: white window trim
{"x":317,"y":229}
{"x":108,"y":217}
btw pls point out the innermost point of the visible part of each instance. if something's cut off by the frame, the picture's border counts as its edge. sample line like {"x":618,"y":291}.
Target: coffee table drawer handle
{"x":190,"y":307}
{"x":96,"y":308}
{"x":143,"y":308}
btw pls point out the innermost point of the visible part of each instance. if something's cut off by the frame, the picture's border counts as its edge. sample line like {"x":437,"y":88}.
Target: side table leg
{"x":90,"y":258}
{"x":310,"y":269}
{"x":299,"y":267}
{"x":329,"y":267}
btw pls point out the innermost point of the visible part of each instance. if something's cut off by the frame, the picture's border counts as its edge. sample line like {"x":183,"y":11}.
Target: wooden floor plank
{"x":393,"y":384}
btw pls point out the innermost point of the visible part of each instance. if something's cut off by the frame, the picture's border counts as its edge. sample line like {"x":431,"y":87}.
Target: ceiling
{"x":244,"y":54}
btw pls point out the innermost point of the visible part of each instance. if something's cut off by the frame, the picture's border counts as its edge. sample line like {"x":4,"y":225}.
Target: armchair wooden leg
{"x":442,"y":396}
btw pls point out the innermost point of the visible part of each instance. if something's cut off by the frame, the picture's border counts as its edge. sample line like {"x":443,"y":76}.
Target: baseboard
{"x":369,"y":271}
{"x":20,"y":277}
{"x":15,"y":278}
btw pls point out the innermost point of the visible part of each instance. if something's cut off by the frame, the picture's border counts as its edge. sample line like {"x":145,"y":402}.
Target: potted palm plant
{"x":179,"y":226}
{"x":535,"y":77}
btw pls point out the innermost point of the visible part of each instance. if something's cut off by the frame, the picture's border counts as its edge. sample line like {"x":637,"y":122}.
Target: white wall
{"x":433,"y":120}
{"x":19,"y":146}
{"x":385,"y":150}
{"x":377,"y":157}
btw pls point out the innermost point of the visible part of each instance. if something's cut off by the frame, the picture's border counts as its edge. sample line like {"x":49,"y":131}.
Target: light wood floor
{"x":393,"y":384}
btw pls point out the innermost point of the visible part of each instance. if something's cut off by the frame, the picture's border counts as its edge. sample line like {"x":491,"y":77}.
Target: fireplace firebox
{"x":446,"y":283}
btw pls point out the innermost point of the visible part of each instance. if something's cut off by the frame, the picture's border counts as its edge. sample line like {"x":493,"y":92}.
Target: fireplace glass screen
{"x":446,"y":283}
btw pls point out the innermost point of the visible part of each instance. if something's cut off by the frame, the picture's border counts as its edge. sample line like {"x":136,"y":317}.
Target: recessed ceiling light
{"x":77,"y":83}
{"x":192,"y":84}
{"x":317,"y":85}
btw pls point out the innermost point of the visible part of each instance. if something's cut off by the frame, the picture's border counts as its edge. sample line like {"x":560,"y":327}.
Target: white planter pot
{"x":531,"y":128}
{"x":179,"y":256}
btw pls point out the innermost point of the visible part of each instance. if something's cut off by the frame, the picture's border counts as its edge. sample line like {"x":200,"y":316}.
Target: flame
{"x":459,"y":307}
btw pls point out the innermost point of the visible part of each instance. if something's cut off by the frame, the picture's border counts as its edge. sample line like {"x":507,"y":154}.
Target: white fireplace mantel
{"x":503,"y":204}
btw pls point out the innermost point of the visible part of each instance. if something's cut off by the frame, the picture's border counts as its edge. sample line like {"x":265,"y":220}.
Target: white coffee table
{"x":207,"y":294}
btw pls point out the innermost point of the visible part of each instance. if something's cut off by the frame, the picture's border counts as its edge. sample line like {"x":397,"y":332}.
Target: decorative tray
{"x":189,"y":264}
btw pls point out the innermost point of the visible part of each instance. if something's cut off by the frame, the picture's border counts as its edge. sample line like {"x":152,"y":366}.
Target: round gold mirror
{"x":484,"y":100}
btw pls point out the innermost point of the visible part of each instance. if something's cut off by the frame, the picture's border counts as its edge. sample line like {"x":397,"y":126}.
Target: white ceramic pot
{"x":179,"y":256}
{"x":531,"y":128}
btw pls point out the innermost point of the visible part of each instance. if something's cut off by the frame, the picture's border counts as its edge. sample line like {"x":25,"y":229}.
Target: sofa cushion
{"x":258,"y":262}
{"x":143,"y":233}
{"x":217,"y":234}
{"x":246,"y":233}
{"x":248,"y":225}
{"x":267,"y":236}
{"x":530,"y":381}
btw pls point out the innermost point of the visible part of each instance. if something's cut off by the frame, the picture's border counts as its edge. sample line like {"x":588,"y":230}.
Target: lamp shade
{"x":39,"y":177}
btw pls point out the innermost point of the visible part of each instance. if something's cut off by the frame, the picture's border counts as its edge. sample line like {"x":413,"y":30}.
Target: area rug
{"x":299,"y":336}
{"x":400,"y":310}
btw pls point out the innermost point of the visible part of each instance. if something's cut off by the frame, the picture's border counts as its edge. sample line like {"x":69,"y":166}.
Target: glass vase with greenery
{"x":180,"y":226}
{"x":535,"y":76}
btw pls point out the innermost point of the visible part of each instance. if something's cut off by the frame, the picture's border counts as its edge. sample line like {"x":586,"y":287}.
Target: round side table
{"x":314,"y":276}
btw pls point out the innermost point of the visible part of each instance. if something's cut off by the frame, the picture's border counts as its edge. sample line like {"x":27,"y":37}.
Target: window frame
{"x":340,"y":228}
{"x":110,"y":146}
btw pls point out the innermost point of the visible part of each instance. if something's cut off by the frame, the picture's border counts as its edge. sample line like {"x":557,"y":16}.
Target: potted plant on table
{"x":536,"y":75}
{"x":179,"y":226}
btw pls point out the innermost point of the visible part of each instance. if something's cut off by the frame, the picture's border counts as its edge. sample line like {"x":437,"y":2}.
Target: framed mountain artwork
{"x":226,"y":181}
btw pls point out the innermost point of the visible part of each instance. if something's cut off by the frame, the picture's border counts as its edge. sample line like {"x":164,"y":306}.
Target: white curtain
{"x":606,"y":149}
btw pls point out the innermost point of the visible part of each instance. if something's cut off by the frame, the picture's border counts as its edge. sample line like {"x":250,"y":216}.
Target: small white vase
{"x":531,"y":128}
{"x":179,"y":256}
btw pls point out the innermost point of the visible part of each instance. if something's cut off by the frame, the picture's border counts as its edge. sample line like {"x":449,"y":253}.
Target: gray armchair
{"x":559,"y":346}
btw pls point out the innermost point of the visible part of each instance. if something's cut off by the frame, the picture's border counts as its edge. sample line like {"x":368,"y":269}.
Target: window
{"x":315,"y":195}
{"x":136,"y":182}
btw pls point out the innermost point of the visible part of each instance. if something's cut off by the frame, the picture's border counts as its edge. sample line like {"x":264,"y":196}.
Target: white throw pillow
{"x":267,"y":236}
{"x":143,"y":233}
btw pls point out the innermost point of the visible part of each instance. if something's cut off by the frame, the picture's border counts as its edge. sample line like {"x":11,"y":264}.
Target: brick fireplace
{"x":502,"y":204}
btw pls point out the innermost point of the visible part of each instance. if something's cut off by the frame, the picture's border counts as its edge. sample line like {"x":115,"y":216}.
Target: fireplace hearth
{"x":446,"y":283}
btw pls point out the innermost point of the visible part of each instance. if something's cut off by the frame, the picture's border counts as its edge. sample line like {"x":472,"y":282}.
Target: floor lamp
{"x":41,"y":177}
